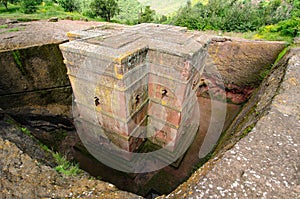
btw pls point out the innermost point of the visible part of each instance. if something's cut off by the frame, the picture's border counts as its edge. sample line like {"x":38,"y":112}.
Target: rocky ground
{"x":23,"y":34}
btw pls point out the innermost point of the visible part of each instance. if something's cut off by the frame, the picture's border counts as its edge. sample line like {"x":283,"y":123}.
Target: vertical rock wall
{"x":33,"y":76}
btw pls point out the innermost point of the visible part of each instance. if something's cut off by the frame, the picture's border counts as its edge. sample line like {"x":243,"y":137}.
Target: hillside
{"x":165,"y":7}
{"x":131,"y":8}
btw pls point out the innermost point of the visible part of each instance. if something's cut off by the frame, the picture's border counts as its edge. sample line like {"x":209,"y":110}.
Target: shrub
{"x":219,"y":14}
{"x":29,"y":6}
{"x":105,"y":9}
{"x":69,"y":5}
{"x":238,"y":16}
{"x":290,"y":27}
{"x":4,"y":2}
{"x":147,"y":16}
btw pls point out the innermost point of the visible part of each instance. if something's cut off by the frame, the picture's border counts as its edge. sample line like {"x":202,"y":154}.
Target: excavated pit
{"x":58,"y":133}
{"x":45,"y":107}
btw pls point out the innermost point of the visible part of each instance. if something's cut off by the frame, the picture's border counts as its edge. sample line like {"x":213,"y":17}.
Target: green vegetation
{"x":247,"y":130}
{"x":26,"y":131}
{"x":232,"y":15}
{"x":5,"y":3}
{"x":14,"y":30}
{"x":44,"y":11}
{"x":104,"y":8}
{"x":218,"y":15}
{"x":284,"y":30}
{"x":274,"y":19}
{"x":147,"y":15}
{"x":63,"y":165}
{"x":4,"y":26}
{"x":129,"y":11}
{"x":281,"y":55}
{"x":6,"y":29}
{"x":264,"y":73}
{"x":29,"y":6}
{"x":17,"y":57}
{"x":69,"y":5}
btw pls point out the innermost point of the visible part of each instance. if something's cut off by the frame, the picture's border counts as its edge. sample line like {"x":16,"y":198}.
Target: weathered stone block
{"x":120,"y":101}
{"x":114,"y":123}
{"x":172,"y":92}
{"x":170,"y":115}
{"x":115,"y":75}
{"x":167,"y":136}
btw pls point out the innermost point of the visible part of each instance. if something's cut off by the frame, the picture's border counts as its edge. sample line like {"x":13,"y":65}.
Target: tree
{"x":147,"y":16}
{"x":163,"y":19}
{"x":29,"y":6}
{"x":129,"y":11}
{"x":105,"y":9}
{"x":4,"y":2}
{"x":69,"y":5}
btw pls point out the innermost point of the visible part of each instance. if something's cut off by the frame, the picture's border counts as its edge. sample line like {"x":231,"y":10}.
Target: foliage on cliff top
{"x":274,"y":19}
{"x":284,"y":30}
{"x":44,"y":11}
{"x":233,"y":15}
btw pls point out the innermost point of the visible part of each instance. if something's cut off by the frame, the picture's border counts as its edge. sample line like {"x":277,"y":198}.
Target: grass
{"x":273,"y":36}
{"x":281,"y":55}
{"x":265,"y":73}
{"x":10,"y":30}
{"x":15,"y":29}
{"x":17,"y":57}
{"x":255,"y":36}
{"x":63,"y":165}
{"x":247,"y":130}
{"x":3,"y":26}
{"x":26,"y":131}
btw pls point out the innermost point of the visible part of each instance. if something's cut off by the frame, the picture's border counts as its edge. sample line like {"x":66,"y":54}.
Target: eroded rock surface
{"x":38,"y":33}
